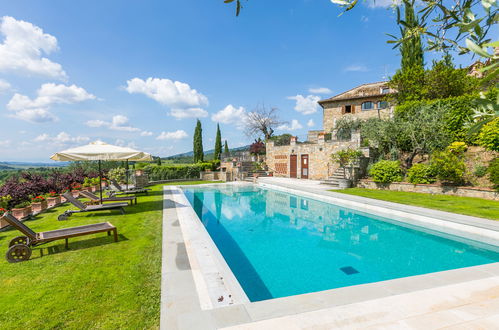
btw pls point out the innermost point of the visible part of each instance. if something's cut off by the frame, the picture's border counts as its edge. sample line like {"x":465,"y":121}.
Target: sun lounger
{"x":94,"y":198}
{"x":119,"y":189}
{"x":20,"y":247}
{"x":89,"y":208}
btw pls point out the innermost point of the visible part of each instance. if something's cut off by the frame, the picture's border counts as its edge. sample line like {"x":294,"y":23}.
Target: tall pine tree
{"x":218,"y":144}
{"x":226,"y":148}
{"x":198,"y":143}
{"x":411,"y":48}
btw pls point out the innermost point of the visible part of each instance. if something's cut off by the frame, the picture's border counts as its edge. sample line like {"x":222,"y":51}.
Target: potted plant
{"x":21,"y":210}
{"x":3,"y":223}
{"x":53,"y":199}
{"x":346,"y":157}
{"x":38,"y":204}
{"x":95,"y":184}
{"x":75,"y":189}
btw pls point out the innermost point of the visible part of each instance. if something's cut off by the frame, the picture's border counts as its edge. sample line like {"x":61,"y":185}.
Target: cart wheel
{"x":19,"y":240}
{"x":62,"y":217}
{"x":18,"y":253}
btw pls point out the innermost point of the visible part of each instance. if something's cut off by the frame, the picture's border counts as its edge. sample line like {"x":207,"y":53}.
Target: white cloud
{"x":320,"y":90}
{"x":117,"y":123}
{"x":61,"y":139}
{"x":123,"y":143}
{"x":183,"y":101}
{"x":189,"y":113}
{"x":5,"y":143}
{"x":356,"y":68}
{"x":37,"y":110}
{"x":23,"y":48}
{"x":295,"y":125}
{"x":311,"y":123}
{"x":306,"y":104}
{"x":382,"y":3}
{"x":364,"y":19}
{"x":146,"y":133}
{"x":177,"y":135}
{"x":4,"y":86}
{"x":229,"y":115}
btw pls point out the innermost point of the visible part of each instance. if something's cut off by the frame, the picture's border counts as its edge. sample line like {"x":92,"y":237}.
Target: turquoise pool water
{"x":278,"y":244}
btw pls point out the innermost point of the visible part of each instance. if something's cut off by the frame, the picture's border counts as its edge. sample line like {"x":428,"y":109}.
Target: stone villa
{"x":311,"y":159}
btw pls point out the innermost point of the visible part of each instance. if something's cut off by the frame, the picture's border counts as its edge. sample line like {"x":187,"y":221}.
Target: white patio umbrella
{"x":99,"y":151}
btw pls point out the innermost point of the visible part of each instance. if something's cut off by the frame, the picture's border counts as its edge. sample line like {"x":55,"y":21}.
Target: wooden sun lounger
{"x":119,"y":189}
{"x":94,"y":198}
{"x":20,"y":247}
{"x":89,"y":208}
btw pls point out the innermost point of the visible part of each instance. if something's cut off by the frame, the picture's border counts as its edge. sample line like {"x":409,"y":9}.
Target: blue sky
{"x":139,"y":73}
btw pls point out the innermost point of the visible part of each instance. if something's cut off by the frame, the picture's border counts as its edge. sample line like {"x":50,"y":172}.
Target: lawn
{"x":97,"y":283}
{"x":477,"y":207}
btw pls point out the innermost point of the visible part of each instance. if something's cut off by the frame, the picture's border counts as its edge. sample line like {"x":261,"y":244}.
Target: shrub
{"x":489,"y":135}
{"x":449,"y":164}
{"x":172,"y":172}
{"x":118,"y":174}
{"x":480,"y":171}
{"x":494,"y":173}
{"x":421,"y":173}
{"x":386,"y":171}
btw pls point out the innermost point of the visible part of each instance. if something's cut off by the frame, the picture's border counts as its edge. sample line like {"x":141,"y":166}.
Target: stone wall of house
{"x":334,"y":111}
{"x":484,"y":193}
{"x":319,"y":155}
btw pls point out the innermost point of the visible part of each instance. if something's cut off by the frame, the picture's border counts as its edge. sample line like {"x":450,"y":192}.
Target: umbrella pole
{"x":100,"y":182}
{"x":127,"y":174}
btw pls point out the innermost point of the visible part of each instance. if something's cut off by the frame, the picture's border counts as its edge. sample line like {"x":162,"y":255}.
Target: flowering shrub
{"x":75,"y":186}
{"x":2,"y":211}
{"x":53,"y":194}
{"x":38,"y":199}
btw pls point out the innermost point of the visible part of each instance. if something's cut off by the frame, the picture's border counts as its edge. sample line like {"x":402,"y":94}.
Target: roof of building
{"x":362,"y":91}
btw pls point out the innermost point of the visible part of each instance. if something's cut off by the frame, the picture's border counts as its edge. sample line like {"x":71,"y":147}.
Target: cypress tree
{"x":412,"y":48}
{"x":218,"y":144}
{"x":198,"y":143}
{"x":226,"y":148}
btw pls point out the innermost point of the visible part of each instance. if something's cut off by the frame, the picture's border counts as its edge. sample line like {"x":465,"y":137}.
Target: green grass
{"x":477,"y":207}
{"x":96,"y":284}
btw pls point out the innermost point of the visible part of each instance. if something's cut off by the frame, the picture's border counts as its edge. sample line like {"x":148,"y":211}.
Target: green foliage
{"x":218,"y":144}
{"x":494,"y":173}
{"x":173,"y":172}
{"x":345,"y":125}
{"x":421,"y":173}
{"x":386,"y":171}
{"x":4,"y":201}
{"x":411,"y":48}
{"x":489,"y":135}
{"x":480,"y":171}
{"x":118,"y":174}
{"x":442,"y":81}
{"x":22,"y":205}
{"x":346,"y":157}
{"x":281,"y":140}
{"x":449,"y":164}
{"x":198,"y":143}
{"x":226,"y":148}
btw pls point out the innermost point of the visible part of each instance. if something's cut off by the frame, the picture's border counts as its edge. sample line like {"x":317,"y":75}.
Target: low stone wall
{"x":484,"y":193}
{"x":210,"y":176}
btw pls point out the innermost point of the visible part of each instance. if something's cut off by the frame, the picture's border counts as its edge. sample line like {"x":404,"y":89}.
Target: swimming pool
{"x":279,"y":244}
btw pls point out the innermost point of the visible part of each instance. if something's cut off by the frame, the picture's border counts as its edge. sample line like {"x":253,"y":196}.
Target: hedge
{"x":171,"y":172}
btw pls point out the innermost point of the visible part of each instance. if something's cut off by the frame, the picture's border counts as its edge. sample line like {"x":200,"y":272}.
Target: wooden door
{"x":304,"y":166}
{"x":292,"y":166}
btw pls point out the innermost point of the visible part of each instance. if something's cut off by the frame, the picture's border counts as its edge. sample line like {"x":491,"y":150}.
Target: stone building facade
{"x":311,"y":159}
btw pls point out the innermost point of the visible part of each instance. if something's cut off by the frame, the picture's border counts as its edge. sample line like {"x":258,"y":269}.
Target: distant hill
{"x":21,"y":165}
{"x":206,"y":153}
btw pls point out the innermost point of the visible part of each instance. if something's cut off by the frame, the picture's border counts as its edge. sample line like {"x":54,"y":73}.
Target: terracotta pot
{"x":21,"y":213}
{"x":39,"y":207}
{"x":139,"y":172}
{"x":75,"y":193}
{"x":53,"y":201}
{"x":3,"y":223}
{"x":63,"y":199}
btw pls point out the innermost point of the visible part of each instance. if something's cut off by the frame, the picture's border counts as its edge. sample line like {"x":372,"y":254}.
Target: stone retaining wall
{"x":484,"y":193}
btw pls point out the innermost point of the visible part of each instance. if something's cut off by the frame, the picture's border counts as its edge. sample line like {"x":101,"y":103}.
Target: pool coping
{"x":181,"y":307}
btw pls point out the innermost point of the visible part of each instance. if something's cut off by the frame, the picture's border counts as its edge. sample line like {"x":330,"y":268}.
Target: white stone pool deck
{"x":194,"y":277}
